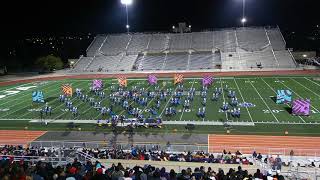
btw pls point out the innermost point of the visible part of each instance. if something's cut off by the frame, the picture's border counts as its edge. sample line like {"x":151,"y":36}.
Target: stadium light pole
{"x":243,"y":19}
{"x":127,"y":3}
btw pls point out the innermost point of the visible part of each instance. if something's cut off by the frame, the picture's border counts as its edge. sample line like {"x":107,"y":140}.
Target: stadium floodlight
{"x":126,"y":2}
{"x":243,"y":20}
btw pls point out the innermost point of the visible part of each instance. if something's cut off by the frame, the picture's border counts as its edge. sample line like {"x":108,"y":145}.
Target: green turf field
{"x":16,"y":104}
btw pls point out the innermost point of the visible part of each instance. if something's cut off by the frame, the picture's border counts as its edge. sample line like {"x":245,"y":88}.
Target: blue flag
{"x":37,"y":96}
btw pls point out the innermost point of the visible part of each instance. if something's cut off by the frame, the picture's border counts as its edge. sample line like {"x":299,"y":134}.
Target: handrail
{"x":182,"y":147}
{"x":285,"y":43}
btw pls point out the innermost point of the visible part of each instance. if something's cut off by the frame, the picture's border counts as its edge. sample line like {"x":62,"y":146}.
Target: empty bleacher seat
{"x":115,"y":44}
{"x":157,"y":43}
{"x":138,"y":43}
{"x":176,"y":62}
{"x":225,"y":40}
{"x":95,"y":45}
{"x":152,"y":62}
{"x":276,"y":39}
{"x":252,"y":39}
{"x":202,"y":41}
{"x":180,"y":42}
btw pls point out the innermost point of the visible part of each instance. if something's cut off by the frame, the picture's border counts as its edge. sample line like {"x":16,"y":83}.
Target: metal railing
{"x":171,"y":147}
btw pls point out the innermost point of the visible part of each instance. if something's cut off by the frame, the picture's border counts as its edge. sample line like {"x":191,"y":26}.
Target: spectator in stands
{"x":183,"y":175}
{"x":291,"y":155}
{"x":240,"y":173}
{"x":220,"y":175}
{"x":143,"y":175}
{"x":172,"y":175}
{"x":278,"y":162}
{"x":126,"y":176}
{"x":224,"y":151}
{"x":259,"y":157}
{"x":163,"y":174}
{"x":198,"y":175}
{"x":238,"y":153}
{"x":258,"y":174}
{"x":117,"y":173}
{"x":254,"y":154}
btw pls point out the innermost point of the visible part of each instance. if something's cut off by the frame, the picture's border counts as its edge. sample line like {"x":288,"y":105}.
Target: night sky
{"x":22,"y":19}
{"x":105,"y":16}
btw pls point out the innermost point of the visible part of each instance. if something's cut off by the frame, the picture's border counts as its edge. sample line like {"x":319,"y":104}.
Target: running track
{"x":265,"y":144}
{"x":17,"y":137}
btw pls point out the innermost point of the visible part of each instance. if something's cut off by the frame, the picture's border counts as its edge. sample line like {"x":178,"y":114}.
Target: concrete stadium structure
{"x":234,"y":49}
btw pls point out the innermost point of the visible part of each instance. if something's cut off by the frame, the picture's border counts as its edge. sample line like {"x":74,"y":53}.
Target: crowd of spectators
{"x":10,"y":169}
{"x":21,"y":170}
{"x":132,"y":154}
{"x":157,"y":155}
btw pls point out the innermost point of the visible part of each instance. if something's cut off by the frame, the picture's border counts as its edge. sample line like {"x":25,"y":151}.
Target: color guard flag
{"x":66,"y":89}
{"x":178,"y":78}
{"x":123,"y":82}
{"x":97,"y":84}
{"x":152,"y":79}
{"x":301,"y":107}
{"x":207,"y":80}
{"x":284,"y":96}
{"x":37,"y":96}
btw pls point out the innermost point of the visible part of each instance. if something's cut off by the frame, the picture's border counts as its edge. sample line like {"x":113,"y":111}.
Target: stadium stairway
{"x":18,"y":137}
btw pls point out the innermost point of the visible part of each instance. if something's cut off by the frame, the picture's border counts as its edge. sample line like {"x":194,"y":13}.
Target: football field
{"x":256,"y":97}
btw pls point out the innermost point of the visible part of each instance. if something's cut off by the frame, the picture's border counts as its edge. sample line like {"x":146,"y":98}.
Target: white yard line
{"x":297,"y":94}
{"x":51,"y":103}
{"x":90,"y":109}
{"x":224,"y":99}
{"x":276,"y":93}
{"x":132,"y":102}
{"x":305,"y":87}
{"x":81,"y":102}
{"x":21,"y":94}
{"x":15,"y":87}
{"x":183,"y":107}
{"x":264,"y":101}
{"x":312,"y":81}
{"x":243,"y":98}
{"x":25,"y":99}
{"x":167,"y":102}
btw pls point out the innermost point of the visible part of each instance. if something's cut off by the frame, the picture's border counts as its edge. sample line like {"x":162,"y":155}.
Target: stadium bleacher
{"x":276,"y":39}
{"x":152,"y":62}
{"x":115,"y":44}
{"x":158,"y":43}
{"x":139,"y":43}
{"x":95,"y":45}
{"x":252,"y":39}
{"x":234,"y":48}
{"x":82,"y":64}
{"x":180,"y":42}
{"x":204,"y":60}
{"x":202,"y":41}
{"x":176,"y":62}
{"x":104,"y":63}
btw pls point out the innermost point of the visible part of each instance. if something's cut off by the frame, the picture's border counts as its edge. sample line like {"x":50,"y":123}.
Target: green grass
{"x":256,"y":90}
